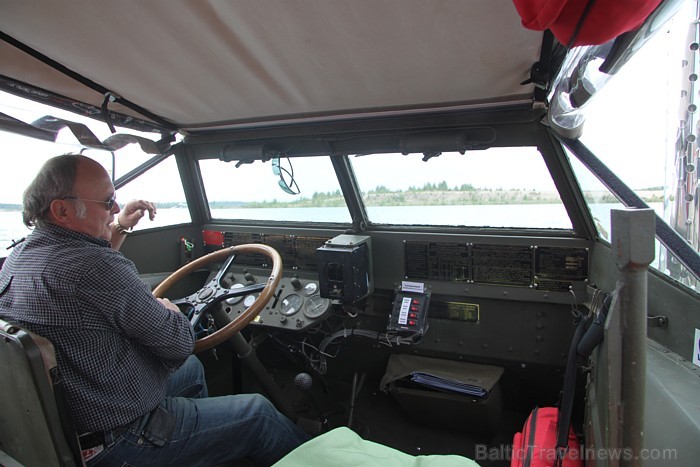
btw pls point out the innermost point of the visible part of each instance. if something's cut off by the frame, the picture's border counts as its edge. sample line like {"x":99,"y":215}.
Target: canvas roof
{"x":212,"y":64}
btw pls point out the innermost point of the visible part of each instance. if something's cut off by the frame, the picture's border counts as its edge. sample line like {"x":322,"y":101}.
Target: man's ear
{"x":61,"y":212}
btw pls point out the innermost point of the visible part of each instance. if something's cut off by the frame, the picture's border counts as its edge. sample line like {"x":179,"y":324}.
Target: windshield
{"x":256,"y":191}
{"x":476,"y":189}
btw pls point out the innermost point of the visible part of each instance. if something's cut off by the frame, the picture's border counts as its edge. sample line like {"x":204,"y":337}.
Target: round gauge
{"x":234,"y":300}
{"x":248,"y":300}
{"x":316,"y":306}
{"x":290,"y":304}
{"x":310,"y":288}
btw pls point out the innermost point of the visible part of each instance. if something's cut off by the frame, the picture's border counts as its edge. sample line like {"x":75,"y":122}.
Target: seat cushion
{"x":343,"y":447}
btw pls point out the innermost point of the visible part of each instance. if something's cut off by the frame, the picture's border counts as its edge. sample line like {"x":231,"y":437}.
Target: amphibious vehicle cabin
{"x":429,"y":232}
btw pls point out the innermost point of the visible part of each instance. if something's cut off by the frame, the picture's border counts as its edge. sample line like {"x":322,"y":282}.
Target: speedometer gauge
{"x":290,"y":304}
{"x":316,"y":306}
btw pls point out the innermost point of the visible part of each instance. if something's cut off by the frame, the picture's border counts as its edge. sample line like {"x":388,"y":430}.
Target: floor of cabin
{"x":378,"y":416}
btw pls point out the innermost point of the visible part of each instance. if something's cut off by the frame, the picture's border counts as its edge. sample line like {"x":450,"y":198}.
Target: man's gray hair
{"x":55,"y":180}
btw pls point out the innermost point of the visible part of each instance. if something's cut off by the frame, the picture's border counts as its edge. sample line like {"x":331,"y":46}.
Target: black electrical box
{"x":345,"y":268}
{"x":409,"y":313}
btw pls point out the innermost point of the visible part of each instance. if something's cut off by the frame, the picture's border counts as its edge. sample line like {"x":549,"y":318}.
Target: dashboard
{"x":501,"y":298}
{"x":533,"y":269}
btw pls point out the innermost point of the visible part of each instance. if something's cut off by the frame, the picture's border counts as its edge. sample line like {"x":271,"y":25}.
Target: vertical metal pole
{"x":633,"y":250}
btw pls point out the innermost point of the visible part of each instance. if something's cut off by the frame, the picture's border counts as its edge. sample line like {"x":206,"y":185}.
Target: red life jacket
{"x":603,"y":22}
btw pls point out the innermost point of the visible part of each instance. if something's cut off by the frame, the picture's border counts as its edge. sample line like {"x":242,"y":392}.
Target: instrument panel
{"x":296,"y":304}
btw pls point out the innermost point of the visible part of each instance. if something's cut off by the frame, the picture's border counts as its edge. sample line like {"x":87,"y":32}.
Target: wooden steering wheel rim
{"x":242,"y":320}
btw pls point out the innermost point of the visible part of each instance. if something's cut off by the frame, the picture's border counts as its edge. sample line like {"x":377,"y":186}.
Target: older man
{"x":136,"y":394}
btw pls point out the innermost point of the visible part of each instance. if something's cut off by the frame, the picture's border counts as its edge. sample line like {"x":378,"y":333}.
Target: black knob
{"x":296,"y":283}
{"x":249,"y":277}
{"x":303,"y":382}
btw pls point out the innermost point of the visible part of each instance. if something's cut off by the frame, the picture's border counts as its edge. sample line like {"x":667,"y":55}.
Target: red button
{"x":411,"y":323}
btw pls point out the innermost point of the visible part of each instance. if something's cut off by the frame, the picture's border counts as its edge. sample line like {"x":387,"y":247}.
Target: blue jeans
{"x":188,"y":428}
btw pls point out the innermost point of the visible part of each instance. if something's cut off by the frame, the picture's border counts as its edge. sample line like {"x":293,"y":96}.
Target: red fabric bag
{"x":605,"y":20}
{"x":536,"y":445}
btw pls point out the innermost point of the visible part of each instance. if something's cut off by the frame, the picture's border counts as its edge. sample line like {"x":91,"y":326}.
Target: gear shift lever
{"x":303,"y":383}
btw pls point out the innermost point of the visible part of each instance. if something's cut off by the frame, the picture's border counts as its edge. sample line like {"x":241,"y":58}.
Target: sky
{"x":628,"y":126}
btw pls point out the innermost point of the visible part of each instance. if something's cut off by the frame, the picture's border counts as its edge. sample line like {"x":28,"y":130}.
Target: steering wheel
{"x":213,"y":293}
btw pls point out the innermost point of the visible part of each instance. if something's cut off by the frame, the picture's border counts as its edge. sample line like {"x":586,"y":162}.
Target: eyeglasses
{"x":289,"y":186}
{"x":108,"y":204}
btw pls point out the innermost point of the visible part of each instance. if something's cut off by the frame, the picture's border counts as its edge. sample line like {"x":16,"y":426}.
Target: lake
{"x":527,"y":216}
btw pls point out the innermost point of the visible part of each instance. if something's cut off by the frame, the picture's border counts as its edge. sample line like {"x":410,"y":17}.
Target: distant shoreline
{"x":415,"y":198}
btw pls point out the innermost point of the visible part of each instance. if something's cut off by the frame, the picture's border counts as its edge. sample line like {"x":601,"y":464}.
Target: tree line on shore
{"x":430,"y":194}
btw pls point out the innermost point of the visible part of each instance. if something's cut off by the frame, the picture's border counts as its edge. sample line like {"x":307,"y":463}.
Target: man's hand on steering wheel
{"x":168,"y":304}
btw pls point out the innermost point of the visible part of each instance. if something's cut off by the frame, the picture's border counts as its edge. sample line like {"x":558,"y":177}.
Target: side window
{"x":160,"y":184}
{"x":633,"y":127}
{"x":601,"y":201}
{"x":24,"y":156}
{"x":16,"y":177}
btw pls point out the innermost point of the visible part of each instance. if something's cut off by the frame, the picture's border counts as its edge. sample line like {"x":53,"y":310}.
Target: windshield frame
{"x":504,"y":128}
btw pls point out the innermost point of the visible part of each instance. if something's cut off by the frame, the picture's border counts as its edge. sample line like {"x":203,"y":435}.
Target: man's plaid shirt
{"x":115,"y":344}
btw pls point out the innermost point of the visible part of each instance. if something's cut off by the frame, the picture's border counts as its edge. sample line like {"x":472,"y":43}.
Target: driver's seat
{"x":35,"y":427}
